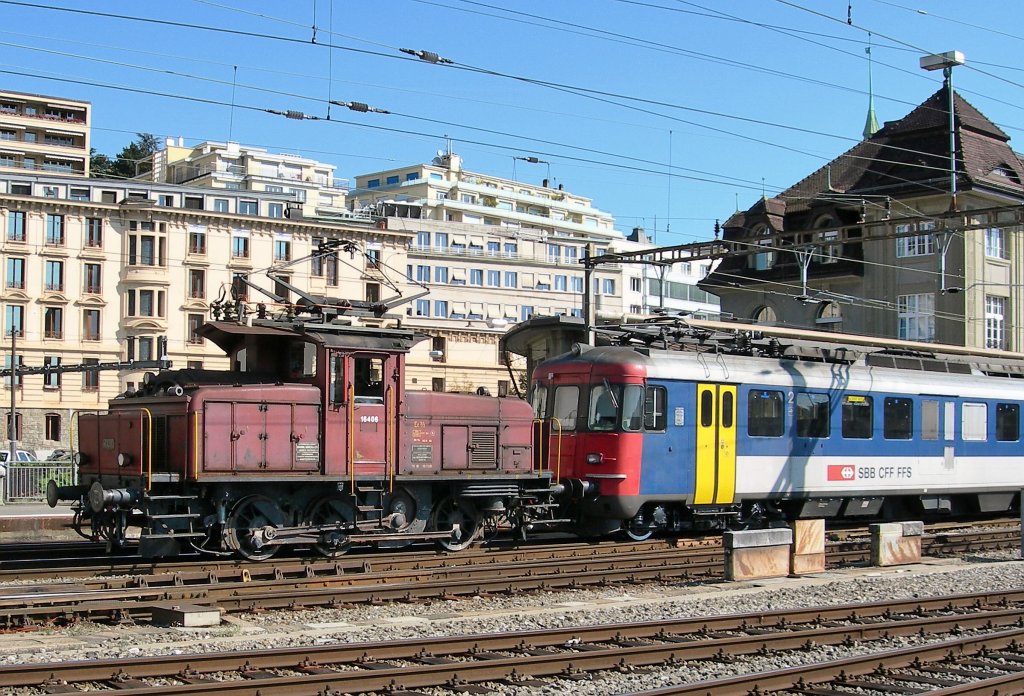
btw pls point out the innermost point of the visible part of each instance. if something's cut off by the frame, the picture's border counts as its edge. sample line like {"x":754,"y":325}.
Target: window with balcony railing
{"x":90,"y":325}
{"x":93,"y":232}
{"x":16,"y":226}
{"x":15,"y":273}
{"x":54,"y":230}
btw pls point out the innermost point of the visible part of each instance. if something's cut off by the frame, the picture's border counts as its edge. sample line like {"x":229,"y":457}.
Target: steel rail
{"x":473,"y":658}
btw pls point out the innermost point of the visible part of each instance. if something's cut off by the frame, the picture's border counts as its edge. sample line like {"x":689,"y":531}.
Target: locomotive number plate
{"x":307,"y":451}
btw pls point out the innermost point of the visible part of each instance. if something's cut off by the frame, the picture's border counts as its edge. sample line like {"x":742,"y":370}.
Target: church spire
{"x":871,"y":123}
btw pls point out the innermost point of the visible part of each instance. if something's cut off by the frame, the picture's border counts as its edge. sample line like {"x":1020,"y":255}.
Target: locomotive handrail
{"x":195,"y":446}
{"x":389,"y":435}
{"x":352,"y":436}
{"x":558,"y":453}
{"x":539,"y":423}
{"x":149,"y":449}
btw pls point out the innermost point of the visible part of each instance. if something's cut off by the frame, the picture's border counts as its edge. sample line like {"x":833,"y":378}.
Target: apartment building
{"x":308,"y":187}
{"x":97,"y":271}
{"x":491,"y":252}
{"x":44,"y":134}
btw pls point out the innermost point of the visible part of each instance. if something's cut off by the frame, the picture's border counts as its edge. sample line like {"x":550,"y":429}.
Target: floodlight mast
{"x":946,"y":62}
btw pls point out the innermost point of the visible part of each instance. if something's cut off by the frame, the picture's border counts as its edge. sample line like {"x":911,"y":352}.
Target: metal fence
{"x":26,"y":481}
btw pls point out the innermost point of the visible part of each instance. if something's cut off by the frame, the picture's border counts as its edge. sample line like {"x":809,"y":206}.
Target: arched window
{"x":762,"y":236}
{"x":830,"y":316}
{"x":765,"y":315}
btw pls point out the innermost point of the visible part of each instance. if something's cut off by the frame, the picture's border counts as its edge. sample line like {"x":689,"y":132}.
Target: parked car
{"x":19,"y":456}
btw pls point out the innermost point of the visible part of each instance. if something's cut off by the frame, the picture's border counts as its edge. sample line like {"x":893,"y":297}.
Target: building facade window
{"x":476,"y":276}
{"x":53,"y":427}
{"x":91,"y":378}
{"x":93,"y":232}
{"x":275,"y":210}
{"x":282,"y":250}
{"x":511,"y":279}
{"x":145,"y":247}
{"x":915,"y":244}
{"x":197,"y":240}
{"x":14,"y":320}
{"x":764,"y":260}
{"x":15,"y":273}
{"x":239,"y":247}
{"x":248,"y":208}
{"x":54,"y":276}
{"x":54,"y":230}
{"x":995,"y":322}
{"x":91,"y":277}
{"x":53,"y":322}
{"x":916,"y":317}
{"x":16,"y":226}
{"x":90,"y":325}
{"x":494,"y":279}
{"x":440,"y":274}
{"x":995,"y":243}
{"x":51,"y":378}
{"x":197,"y":283}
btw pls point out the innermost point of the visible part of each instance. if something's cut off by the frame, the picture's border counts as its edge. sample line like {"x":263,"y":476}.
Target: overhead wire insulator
{"x":296,"y":115}
{"x":428,"y":56}
{"x":360,"y":107}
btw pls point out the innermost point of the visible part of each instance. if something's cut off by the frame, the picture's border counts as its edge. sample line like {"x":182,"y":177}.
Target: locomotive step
{"x":177,"y":516}
{"x":369,"y":508}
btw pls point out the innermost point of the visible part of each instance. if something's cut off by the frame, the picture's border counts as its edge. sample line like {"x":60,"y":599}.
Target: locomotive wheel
{"x":636,"y":534}
{"x":451,"y":512}
{"x":334,"y":509}
{"x":249,"y":515}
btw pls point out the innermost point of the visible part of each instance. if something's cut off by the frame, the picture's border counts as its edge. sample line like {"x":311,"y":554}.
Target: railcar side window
{"x":655,"y":408}
{"x":301,"y":360}
{"x":929,"y":419}
{"x":566,"y":406}
{"x":857,"y":417}
{"x":338,"y":379}
{"x":632,"y":407}
{"x":898,"y":418}
{"x":764,"y":413}
{"x":707,"y":408}
{"x":974,"y":421}
{"x":369,"y":380}
{"x":812,"y":415}
{"x":539,"y":401}
{"x":604,"y":406}
{"x":1007,"y":422}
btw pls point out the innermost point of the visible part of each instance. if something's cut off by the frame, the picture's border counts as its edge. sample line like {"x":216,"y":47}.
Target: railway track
{"x":941,"y":656}
{"x":420,"y":576}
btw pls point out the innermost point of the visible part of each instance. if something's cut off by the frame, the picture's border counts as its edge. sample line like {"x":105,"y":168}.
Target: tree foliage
{"x":129,"y":162}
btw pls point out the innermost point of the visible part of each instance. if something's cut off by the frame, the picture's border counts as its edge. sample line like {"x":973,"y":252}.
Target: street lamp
{"x":946,"y":62}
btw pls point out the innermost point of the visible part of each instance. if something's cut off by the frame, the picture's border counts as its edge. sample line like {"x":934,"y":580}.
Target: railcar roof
{"x":230,"y":336}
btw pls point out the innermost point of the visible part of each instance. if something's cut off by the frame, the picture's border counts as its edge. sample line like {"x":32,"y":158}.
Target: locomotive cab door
{"x":364,"y":399}
{"x":715,"y":445}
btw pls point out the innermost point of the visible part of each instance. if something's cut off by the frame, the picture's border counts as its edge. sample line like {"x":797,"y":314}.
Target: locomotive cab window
{"x":898,"y":418}
{"x":655,"y":408}
{"x":604,"y":407}
{"x":539,"y":401}
{"x":812,"y":416}
{"x":566,"y":406}
{"x":369,"y":380}
{"x":857,"y":417}
{"x":1007,"y":422}
{"x":765,"y":413}
{"x":337,"y":378}
{"x":301,"y":360}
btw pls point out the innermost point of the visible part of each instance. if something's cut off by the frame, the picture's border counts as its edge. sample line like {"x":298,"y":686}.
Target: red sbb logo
{"x":841,"y":472}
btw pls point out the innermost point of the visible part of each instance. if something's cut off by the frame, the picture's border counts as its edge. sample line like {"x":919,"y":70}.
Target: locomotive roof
{"x":230,"y":336}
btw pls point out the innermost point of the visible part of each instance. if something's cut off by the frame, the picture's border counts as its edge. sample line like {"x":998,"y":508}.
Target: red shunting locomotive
{"x":310,"y":439}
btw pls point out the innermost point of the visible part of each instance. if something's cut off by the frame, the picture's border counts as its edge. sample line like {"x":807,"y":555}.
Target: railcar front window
{"x":566,"y":406}
{"x":898,"y":418}
{"x":604,"y":407}
{"x":812,"y":415}
{"x":765,"y":414}
{"x":632,"y":407}
{"x":1007,"y":422}
{"x":857,"y":417}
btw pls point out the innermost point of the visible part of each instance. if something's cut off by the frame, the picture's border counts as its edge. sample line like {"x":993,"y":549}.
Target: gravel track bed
{"x":502,"y":613}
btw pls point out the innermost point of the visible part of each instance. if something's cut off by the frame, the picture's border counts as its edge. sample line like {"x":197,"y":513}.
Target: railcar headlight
{"x":123,"y":459}
{"x":595,"y":458}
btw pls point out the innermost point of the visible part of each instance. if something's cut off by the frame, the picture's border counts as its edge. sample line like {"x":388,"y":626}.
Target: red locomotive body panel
{"x":464,"y":434}
{"x":261,"y":430}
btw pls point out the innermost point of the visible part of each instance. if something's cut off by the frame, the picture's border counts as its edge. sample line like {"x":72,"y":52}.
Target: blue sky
{"x":667,"y":113}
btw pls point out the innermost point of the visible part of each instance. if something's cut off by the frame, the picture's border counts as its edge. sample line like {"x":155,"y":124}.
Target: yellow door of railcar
{"x":715,"y":481}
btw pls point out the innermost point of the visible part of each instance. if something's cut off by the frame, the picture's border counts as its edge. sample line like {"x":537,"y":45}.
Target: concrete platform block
{"x":750,"y":538}
{"x":188,"y":615}
{"x":891,"y":544}
{"x":808,"y":536}
{"x":807,"y":563}
{"x":755,"y":563}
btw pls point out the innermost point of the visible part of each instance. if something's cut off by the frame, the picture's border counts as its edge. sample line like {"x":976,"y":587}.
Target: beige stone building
{"x":44,"y":134}
{"x":99,"y":270}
